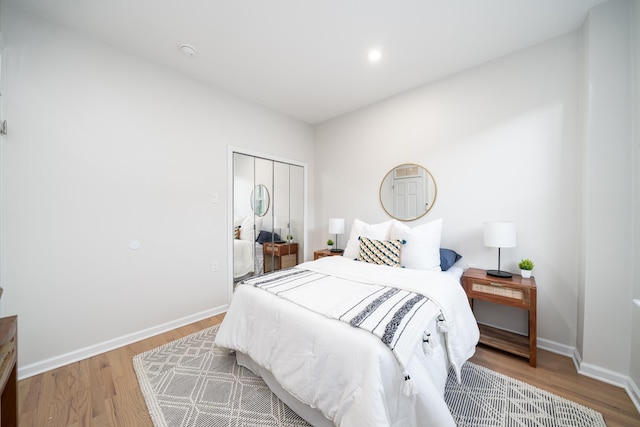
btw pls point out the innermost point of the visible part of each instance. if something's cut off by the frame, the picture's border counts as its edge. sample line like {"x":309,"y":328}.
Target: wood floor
{"x":557,"y":374}
{"x":103,"y":390}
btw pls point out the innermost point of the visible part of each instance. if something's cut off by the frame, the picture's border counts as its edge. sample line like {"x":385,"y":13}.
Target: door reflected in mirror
{"x":408,"y":192}
{"x":260,"y":200}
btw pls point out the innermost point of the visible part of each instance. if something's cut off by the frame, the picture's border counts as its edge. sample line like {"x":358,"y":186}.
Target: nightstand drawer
{"x":325,"y":252}
{"x":500,"y":290}
{"x":280,"y":249}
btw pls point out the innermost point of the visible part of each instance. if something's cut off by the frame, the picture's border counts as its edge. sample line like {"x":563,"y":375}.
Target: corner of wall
{"x":603,"y":374}
{"x":593,"y":371}
{"x":634,"y":393}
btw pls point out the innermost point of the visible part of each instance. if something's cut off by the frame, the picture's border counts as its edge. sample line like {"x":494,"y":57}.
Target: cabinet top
{"x":8,"y":328}
{"x":280,"y":244}
{"x":516,"y":279}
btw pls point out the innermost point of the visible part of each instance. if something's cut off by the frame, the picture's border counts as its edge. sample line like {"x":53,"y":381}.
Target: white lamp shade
{"x":500,"y":234}
{"x":336,"y":225}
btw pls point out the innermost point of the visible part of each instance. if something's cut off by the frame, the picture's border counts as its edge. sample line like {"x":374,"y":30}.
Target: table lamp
{"x":278,"y":224}
{"x":499,"y":235}
{"x":336,"y":226}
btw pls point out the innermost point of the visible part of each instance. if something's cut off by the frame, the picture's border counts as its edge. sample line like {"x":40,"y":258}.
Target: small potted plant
{"x":329,"y":243}
{"x":289,"y":238}
{"x":526,"y":265}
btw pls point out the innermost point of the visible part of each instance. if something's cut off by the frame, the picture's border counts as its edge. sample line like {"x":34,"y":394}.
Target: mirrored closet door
{"x":268,"y":214}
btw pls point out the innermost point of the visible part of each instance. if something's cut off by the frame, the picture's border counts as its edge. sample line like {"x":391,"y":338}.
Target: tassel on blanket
{"x":442,"y":324}
{"x":428,"y":344}
{"x":409,"y":387}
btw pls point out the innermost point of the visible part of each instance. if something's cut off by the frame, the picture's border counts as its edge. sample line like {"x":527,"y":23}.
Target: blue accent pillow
{"x":448,"y":257}
{"x":267,"y":236}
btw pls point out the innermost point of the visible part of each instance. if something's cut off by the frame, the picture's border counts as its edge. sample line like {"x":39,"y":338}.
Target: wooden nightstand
{"x":513,"y":291}
{"x":325,"y":252}
{"x":279,"y":255}
{"x":8,"y":371}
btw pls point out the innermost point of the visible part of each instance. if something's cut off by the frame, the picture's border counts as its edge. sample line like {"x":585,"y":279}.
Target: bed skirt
{"x":311,"y":415}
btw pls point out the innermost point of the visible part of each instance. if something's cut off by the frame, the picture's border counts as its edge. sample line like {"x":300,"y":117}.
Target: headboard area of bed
{"x":420,"y":245}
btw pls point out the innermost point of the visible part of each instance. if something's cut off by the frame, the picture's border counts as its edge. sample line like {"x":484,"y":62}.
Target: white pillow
{"x":246,"y":230}
{"x":421,"y":250}
{"x":237,"y":222}
{"x":371,"y":231}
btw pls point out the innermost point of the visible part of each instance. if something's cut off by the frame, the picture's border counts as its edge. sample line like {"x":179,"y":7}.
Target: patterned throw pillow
{"x":236,"y":232}
{"x":382,"y":252}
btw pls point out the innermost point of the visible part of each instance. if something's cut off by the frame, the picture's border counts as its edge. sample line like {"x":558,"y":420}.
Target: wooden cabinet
{"x":279,"y":255}
{"x":325,"y":252}
{"x":8,"y":371}
{"x":514,"y":291}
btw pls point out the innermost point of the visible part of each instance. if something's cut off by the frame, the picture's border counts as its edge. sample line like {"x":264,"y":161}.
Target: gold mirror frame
{"x":260,"y":200}
{"x":426,"y":191}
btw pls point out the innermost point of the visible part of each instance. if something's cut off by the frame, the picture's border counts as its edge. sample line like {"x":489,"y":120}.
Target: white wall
{"x":106,"y":148}
{"x":635,"y":330}
{"x":607,"y":220}
{"x":500,"y":140}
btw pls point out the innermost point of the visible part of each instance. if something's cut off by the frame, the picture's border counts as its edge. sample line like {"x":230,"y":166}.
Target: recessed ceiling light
{"x":375,"y":55}
{"x":188,"y":50}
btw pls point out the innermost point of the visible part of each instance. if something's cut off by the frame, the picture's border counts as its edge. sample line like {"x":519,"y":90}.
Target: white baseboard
{"x":555,"y":347}
{"x":577,"y":359}
{"x":614,"y":378}
{"x":603,"y":374}
{"x":84,"y":353}
{"x":593,"y":371}
{"x":609,"y":377}
{"x":634,"y":393}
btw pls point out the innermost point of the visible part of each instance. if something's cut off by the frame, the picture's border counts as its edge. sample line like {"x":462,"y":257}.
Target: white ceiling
{"x":308,"y":58}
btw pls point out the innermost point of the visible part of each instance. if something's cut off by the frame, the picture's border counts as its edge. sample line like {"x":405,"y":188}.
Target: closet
{"x":268,"y":214}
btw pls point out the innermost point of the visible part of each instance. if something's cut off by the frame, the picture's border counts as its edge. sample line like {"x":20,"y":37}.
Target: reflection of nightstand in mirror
{"x":279,"y":255}
{"x":325,"y":252}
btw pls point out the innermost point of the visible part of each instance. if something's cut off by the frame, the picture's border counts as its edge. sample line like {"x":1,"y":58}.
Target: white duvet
{"x":242,"y":257}
{"x":347,"y":373}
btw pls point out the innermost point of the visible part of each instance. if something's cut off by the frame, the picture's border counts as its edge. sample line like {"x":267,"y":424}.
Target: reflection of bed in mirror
{"x":248,"y":254}
{"x":247,"y":258}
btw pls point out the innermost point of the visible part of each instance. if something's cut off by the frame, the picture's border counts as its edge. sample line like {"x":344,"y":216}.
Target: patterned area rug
{"x":191,"y":383}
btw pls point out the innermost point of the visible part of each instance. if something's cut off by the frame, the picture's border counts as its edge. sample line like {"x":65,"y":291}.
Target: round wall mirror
{"x":408,"y":192}
{"x":260,"y":200}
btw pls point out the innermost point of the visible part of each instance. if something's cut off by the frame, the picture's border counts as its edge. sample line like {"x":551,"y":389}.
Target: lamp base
{"x":337,"y":251}
{"x":499,"y":273}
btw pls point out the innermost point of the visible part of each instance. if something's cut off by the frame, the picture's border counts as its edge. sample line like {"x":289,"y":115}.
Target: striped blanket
{"x":398,"y":317}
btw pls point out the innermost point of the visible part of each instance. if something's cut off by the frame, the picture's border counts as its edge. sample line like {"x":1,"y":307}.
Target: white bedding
{"x":346,"y":373}
{"x":247,"y":258}
{"x":242,"y":257}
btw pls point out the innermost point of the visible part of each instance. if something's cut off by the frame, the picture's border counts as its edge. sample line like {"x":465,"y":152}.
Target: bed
{"x":295,"y":328}
{"x":248,"y":258}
